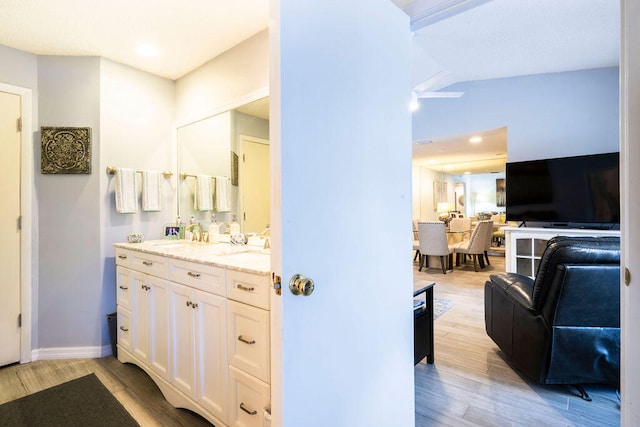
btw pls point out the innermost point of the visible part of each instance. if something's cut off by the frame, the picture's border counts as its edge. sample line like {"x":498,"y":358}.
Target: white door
{"x":630,"y":226}
{"x":9,"y":232}
{"x":254,"y":184}
{"x":341,"y":213}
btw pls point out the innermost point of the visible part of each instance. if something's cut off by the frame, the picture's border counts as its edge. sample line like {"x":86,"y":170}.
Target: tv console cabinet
{"x":524,"y":246}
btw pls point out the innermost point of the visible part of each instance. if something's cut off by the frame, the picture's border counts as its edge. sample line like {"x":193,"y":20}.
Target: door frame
{"x":26,"y":206}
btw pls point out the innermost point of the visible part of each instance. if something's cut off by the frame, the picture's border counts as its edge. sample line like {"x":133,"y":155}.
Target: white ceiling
{"x":479,"y":39}
{"x":186,"y":34}
{"x":504,"y":38}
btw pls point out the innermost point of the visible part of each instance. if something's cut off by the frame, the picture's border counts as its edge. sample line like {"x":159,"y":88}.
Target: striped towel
{"x":126,"y":198}
{"x":202,"y":198}
{"x":223,"y":194}
{"x":151,"y":191}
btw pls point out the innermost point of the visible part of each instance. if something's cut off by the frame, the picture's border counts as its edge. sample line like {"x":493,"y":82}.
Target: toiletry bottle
{"x":180,"y":226}
{"x":188,"y":234}
{"x":214,"y":230}
{"x":235,"y":227}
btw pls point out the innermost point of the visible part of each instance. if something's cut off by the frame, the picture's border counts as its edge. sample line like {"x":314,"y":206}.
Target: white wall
{"x":480,"y":195}
{"x":137,"y":112}
{"x":232,"y":75}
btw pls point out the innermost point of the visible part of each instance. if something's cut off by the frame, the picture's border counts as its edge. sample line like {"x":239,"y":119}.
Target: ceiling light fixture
{"x":414,"y":104}
{"x":475,"y":139}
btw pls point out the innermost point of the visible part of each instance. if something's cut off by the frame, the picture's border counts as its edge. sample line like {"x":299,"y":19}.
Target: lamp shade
{"x":443,"y":207}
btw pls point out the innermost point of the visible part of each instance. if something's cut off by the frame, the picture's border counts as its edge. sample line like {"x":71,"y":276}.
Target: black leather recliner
{"x":564,"y":326}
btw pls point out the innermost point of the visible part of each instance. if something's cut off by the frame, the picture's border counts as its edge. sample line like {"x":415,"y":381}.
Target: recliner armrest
{"x":517,"y":286}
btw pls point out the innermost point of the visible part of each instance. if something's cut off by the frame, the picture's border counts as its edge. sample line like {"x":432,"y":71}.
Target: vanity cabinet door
{"x":150,"y":338}
{"x":182,"y":335}
{"x":198,"y":346}
{"x":211,"y":349}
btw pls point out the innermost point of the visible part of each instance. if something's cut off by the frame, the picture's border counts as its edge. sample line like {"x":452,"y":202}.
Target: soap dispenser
{"x":188,"y":234}
{"x":214,"y":230}
{"x":235,"y":227}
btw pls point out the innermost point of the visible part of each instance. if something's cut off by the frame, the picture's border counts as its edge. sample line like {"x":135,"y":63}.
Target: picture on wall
{"x":65,"y":150}
{"x":439,"y":193}
{"x":500,"y":193}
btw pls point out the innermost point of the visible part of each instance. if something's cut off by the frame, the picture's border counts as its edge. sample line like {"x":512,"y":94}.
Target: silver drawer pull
{"x":122,"y":328}
{"x":124,"y":288}
{"x":122,"y":256}
{"x":245,"y":340}
{"x":192,"y":274}
{"x":246,"y":288}
{"x":147,"y":263}
{"x":247,"y":410}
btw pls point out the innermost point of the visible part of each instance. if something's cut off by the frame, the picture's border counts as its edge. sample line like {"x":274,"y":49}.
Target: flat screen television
{"x":578,"y":190}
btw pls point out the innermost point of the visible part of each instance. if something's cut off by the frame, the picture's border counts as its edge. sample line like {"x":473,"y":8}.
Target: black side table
{"x":423,"y":326}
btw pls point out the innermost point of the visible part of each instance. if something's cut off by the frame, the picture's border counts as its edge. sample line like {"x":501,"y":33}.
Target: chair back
{"x":415,"y":229}
{"x":489,"y":237}
{"x":560,"y":261}
{"x":460,"y":224}
{"x":433,"y":238}
{"x":478,"y":237}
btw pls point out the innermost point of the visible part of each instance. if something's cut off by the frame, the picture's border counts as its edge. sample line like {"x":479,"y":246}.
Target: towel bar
{"x":111,"y":170}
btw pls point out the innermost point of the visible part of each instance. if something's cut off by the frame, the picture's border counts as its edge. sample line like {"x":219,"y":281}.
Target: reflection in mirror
{"x":216,"y":146}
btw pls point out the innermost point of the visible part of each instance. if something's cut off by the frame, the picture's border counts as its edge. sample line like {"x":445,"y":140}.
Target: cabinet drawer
{"x":122,"y":257}
{"x":203,"y":277}
{"x":248,"y":288}
{"x":248,"y":398}
{"x":248,"y":339}
{"x":124,"y":291}
{"x":124,"y":329}
{"x":148,"y":263}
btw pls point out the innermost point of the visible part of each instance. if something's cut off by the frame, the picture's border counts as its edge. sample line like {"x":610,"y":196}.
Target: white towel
{"x":151,"y":191}
{"x":126,"y":199}
{"x":202,"y":198}
{"x":223,"y":194}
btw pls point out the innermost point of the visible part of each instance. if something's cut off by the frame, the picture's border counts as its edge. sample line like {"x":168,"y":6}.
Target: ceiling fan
{"x":430,"y":88}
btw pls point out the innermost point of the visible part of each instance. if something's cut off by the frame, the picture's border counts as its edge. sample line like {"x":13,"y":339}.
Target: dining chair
{"x":474,"y":245}
{"x":460,"y":224}
{"x":488,"y":240}
{"x":416,"y":246}
{"x":432,"y":239}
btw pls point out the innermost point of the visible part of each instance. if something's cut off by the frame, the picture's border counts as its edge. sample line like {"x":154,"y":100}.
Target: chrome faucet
{"x":197,"y":234}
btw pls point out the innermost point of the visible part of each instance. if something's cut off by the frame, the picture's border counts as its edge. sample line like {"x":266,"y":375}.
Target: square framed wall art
{"x":65,"y":150}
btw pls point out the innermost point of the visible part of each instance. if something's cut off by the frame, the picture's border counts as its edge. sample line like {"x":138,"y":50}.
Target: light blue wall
{"x":547,"y":115}
{"x":70,"y":281}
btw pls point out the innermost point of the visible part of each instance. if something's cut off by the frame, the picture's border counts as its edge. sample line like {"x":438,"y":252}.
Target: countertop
{"x":247,"y":258}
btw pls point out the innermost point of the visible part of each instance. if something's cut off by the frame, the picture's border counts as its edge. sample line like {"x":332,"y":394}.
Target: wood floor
{"x":471,"y":383}
{"x":133,"y":388}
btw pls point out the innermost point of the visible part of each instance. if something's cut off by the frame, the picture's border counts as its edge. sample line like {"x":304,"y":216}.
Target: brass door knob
{"x":300,"y":285}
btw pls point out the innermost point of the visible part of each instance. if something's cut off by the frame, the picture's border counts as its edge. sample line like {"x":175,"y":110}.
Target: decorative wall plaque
{"x":234,"y":168}
{"x":65,"y":150}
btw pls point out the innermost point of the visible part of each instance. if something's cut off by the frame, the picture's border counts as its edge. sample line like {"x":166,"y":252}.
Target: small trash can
{"x":267,"y":418}
{"x":112,"y":321}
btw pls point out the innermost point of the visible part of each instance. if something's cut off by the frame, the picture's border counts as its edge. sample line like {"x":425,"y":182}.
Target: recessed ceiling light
{"x":475,"y":140}
{"x":147,"y":49}
{"x":467,"y":173}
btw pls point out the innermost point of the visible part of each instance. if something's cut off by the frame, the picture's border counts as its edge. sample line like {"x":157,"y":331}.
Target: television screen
{"x":581,"y":189}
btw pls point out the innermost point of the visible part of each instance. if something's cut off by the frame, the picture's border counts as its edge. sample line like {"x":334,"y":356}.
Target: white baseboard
{"x":52,"y":353}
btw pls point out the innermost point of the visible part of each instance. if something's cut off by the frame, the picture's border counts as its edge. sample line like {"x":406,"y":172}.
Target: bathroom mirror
{"x":233,"y":144}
